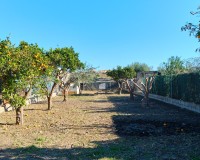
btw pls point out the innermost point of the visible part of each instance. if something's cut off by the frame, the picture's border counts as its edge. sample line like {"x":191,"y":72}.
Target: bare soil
{"x":103,"y":126}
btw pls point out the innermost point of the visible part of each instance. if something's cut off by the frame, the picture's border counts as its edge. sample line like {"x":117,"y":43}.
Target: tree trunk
{"x":49,"y":102}
{"x":120,"y":91}
{"x":65,"y":94}
{"x":131,"y":90}
{"x":50,"y":95}
{"x":27,"y":93}
{"x":146,"y":99}
{"x":65,"y":99}
{"x":119,"y":88}
{"x":80,"y":91}
{"x":19,"y":116}
{"x":131,"y":95}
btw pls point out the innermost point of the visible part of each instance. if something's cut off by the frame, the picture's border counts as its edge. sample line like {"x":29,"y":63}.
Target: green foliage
{"x":121,"y":73}
{"x":62,"y":61}
{"x":161,"y":85}
{"x":17,"y":100}
{"x":28,"y":66}
{"x":174,"y":65}
{"x":84,"y":75}
{"x":194,"y":29}
{"x":40,"y":140}
{"x":21,"y":66}
{"x":44,"y":84}
{"x":140,"y":67}
{"x":65,"y":59}
{"x":184,"y":87}
{"x":6,"y":49}
{"x":0,"y":85}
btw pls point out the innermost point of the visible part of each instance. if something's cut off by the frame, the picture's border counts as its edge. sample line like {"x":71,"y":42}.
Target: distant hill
{"x":102,"y":74}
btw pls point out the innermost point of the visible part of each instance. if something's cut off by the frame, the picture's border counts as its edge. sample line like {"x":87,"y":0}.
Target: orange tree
{"x":20,"y":68}
{"x":62,"y":61}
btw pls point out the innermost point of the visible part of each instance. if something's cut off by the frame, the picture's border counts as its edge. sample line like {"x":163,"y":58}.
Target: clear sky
{"x":105,"y":33}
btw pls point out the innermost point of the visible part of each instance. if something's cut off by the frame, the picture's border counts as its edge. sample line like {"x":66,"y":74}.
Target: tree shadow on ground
{"x":5,"y":124}
{"x":111,"y":150}
{"x":40,"y":102}
{"x":133,"y":118}
{"x":84,"y":94}
{"x":129,"y":148}
{"x":34,"y":109}
{"x":158,"y":119}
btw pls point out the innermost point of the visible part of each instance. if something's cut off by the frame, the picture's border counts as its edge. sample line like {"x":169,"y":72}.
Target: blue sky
{"x":105,"y":33}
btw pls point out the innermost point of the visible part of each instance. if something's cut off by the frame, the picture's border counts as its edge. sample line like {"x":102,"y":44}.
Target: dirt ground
{"x":103,"y":126}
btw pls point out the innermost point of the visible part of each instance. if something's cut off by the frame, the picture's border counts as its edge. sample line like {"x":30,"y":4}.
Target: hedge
{"x":184,"y":87}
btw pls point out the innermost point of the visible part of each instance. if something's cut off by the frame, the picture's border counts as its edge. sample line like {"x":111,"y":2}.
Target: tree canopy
{"x":194,"y":29}
{"x":174,"y":65}
{"x":121,"y":73}
{"x":140,"y":67}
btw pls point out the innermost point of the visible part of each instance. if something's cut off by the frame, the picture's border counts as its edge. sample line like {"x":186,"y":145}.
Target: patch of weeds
{"x":40,"y":140}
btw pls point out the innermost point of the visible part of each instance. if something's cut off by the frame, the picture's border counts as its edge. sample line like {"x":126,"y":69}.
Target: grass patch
{"x":40,"y":141}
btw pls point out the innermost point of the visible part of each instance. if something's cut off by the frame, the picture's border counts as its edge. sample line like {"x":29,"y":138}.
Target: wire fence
{"x":100,"y":86}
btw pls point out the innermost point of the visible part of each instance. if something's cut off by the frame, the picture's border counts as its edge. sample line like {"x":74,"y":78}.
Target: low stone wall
{"x":179,"y":103}
{"x":186,"y":105}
